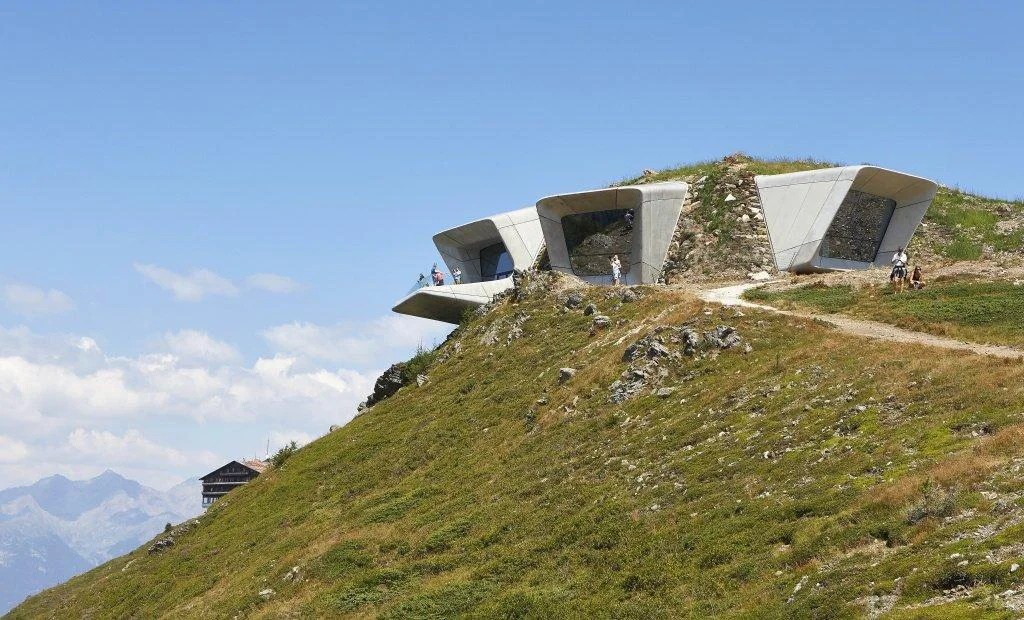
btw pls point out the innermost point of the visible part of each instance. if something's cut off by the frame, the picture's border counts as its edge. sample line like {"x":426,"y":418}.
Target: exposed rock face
{"x":650,"y":357}
{"x":719,"y":238}
{"x":161,"y":545}
{"x":505,"y":330}
{"x":387,"y":384}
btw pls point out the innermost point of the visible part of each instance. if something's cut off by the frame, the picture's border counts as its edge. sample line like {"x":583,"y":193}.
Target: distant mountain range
{"x":57,"y":528}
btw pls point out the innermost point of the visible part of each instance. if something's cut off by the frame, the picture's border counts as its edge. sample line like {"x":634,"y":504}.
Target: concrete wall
{"x":799,"y":208}
{"x":460,"y":247}
{"x":519,"y":230}
{"x":657,"y":205}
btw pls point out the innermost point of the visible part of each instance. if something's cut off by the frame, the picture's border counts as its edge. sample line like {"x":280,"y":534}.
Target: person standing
{"x":616,"y":269}
{"x":898,"y":275}
{"x":436,"y":275}
{"x":457,"y":275}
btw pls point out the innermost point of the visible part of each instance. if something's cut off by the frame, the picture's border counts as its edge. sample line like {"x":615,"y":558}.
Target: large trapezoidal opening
{"x":593,"y":238}
{"x":495,"y":262}
{"x":858,"y":227}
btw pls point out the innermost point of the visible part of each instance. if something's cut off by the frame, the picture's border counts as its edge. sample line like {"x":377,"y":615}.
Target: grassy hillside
{"x":966,"y":308}
{"x":808,"y":474}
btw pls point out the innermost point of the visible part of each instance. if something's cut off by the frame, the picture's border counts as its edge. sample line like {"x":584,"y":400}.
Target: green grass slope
{"x":813,"y":475}
{"x":966,"y":308}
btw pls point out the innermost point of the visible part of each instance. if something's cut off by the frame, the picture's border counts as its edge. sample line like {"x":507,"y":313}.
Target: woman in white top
{"x":616,"y":269}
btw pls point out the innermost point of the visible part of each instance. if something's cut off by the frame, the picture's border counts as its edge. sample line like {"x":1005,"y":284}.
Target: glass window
{"x":858,"y":228}
{"x":593,"y":238}
{"x":495,"y":262}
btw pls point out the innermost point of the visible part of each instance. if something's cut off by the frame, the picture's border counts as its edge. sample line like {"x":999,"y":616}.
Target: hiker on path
{"x":616,"y":269}
{"x":898,"y":275}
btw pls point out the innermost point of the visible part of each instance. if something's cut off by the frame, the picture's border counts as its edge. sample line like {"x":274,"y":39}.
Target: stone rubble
{"x":648,"y":357}
{"x":725,"y":238}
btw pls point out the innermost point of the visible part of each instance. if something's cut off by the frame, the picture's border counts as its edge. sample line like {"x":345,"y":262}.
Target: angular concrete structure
{"x":487,"y":251}
{"x":583,"y":230}
{"x":841,"y":218}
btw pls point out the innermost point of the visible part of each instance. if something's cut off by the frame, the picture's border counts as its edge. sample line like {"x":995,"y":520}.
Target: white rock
{"x":1014,"y":568}
{"x":266,"y":594}
{"x":759,"y":276}
{"x":730,"y":197}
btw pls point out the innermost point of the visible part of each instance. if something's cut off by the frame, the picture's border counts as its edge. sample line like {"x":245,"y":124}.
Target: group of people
{"x":437,"y":276}
{"x":898,"y":275}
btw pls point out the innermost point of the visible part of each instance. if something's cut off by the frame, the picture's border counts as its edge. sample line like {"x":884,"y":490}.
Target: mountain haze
{"x":57,"y":528}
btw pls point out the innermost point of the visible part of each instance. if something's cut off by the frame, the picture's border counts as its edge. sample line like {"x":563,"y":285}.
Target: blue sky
{"x":158,"y":161}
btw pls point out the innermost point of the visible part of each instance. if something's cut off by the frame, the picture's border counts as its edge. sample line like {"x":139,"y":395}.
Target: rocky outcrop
{"x":721,"y":233}
{"x":650,"y":357}
{"x":387,"y":384}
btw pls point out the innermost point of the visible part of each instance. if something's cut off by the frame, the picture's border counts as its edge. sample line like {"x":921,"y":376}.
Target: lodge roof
{"x":255,"y":465}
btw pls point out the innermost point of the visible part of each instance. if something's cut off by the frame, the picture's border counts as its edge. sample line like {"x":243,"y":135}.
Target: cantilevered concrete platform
{"x":583,"y":230}
{"x":450,"y":302}
{"x":841,"y":218}
{"x":486,"y":251}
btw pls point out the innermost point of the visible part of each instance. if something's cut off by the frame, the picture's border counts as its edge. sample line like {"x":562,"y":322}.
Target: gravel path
{"x":732,"y":296}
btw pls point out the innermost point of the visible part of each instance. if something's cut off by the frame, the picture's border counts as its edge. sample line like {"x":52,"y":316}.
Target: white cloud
{"x":273,"y":283}
{"x":196,"y":285}
{"x":31,"y":301}
{"x":131,"y":447}
{"x":11,"y":450}
{"x":279,"y":439}
{"x":370,"y":344}
{"x":190,"y":344}
{"x":71,"y":380}
{"x":67,"y":406}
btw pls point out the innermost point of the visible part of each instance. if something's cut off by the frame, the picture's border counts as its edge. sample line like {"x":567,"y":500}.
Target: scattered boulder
{"x":690,"y":342}
{"x":759,"y":276}
{"x":649,"y":358}
{"x":601,"y":321}
{"x":422,"y":380}
{"x":574,"y":300}
{"x":629,"y":295}
{"x":723,"y":337}
{"x":387,"y":384}
{"x":292,"y":575}
{"x":506,"y":329}
{"x":266,"y":593}
{"x":335,"y":427}
{"x":589,"y":310}
{"x":161,"y":545}
{"x":564,"y":374}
